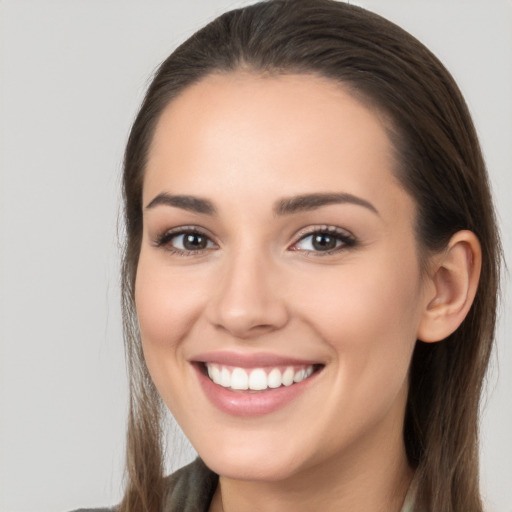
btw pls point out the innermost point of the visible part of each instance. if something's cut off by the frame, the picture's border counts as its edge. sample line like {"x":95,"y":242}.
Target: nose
{"x":249,"y":300}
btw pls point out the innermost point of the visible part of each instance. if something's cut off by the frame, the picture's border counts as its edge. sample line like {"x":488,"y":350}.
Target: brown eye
{"x":194,"y":241}
{"x":186,"y":241}
{"x":323,"y":242}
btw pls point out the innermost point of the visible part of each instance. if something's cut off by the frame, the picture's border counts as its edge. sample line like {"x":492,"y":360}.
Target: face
{"x":278,"y":289}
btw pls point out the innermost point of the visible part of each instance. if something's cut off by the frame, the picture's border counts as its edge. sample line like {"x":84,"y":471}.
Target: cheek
{"x":364,"y":295}
{"x":369,"y":314}
{"x":167,"y":306}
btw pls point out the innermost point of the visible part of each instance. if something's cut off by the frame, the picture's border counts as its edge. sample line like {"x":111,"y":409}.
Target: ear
{"x":452,"y":284}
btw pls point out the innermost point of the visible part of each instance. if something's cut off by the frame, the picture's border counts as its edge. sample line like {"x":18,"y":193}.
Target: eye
{"x":185,"y":241}
{"x":326,"y":240}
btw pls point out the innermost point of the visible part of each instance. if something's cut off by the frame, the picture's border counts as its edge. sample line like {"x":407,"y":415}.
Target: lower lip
{"x":244,"y":403}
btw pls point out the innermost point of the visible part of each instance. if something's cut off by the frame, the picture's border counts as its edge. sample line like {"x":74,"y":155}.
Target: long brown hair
{"x":440,"y":165}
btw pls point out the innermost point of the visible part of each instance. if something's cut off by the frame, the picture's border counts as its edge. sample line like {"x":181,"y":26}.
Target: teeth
{"x":239,"y":379}
{"x":288,"y":376}
{"x":300,"y":375}
{"x":214,"y":373}
{"x":225,"y":378}
{"x":257,"y":379}
{"x":274,"y":378}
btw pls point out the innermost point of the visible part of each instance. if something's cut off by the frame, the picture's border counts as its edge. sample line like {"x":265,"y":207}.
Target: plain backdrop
{"x":72,"y":74}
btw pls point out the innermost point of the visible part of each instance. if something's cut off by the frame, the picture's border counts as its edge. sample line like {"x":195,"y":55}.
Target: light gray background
{"x":72,"y":74}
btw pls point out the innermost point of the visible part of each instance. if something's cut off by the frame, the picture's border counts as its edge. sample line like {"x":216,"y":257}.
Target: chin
{"x":252,"y":463}
{"x":254,"y":470}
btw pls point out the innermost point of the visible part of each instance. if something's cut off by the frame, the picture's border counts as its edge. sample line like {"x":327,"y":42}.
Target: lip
{"x":257,"y":360}
{"x":246,"y":403}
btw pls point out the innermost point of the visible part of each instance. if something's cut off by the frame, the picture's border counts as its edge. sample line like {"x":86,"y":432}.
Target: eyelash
{"x":165,"y":238}
{"x":347,"y":240}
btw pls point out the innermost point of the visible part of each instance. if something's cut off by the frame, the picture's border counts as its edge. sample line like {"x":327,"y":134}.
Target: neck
{"x":374,"y":477}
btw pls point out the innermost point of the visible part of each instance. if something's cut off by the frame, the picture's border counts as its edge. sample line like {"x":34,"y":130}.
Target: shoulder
{"x":190,"y":489}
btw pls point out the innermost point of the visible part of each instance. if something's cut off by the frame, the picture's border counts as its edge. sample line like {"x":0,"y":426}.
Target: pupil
{"x":324,"y":242}
{"x":193,"y":242}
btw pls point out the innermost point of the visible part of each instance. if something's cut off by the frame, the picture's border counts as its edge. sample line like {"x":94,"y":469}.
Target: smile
{"x":257,"y":379}
{"x":253,"y":385}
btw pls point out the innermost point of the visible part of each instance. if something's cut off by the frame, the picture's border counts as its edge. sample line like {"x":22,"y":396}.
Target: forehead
{"x":243,"y":131}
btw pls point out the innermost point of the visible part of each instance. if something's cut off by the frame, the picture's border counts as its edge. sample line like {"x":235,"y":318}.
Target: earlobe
{"x":454,"y":281}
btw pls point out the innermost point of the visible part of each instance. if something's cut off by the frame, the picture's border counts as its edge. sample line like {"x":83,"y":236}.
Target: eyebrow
{"x":190,"y":203}
{"x":284,"y":206}
{"x":288,"y":206}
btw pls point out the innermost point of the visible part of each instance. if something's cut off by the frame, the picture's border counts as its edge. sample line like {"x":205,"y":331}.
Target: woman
{"x":311,"y":269}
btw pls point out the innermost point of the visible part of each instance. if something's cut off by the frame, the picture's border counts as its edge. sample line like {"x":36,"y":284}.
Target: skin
{"x":245,"y":142}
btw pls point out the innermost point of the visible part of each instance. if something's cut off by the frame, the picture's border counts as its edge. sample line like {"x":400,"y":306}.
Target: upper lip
{"x":255,"y":360}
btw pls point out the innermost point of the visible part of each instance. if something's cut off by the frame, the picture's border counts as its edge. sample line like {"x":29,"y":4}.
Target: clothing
{"x":408,"y":505}
{"x":191,"y":489}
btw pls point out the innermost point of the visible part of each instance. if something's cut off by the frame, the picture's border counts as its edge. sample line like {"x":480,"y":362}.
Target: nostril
{"x":244,"y":331}
{"x":246,"y":303}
